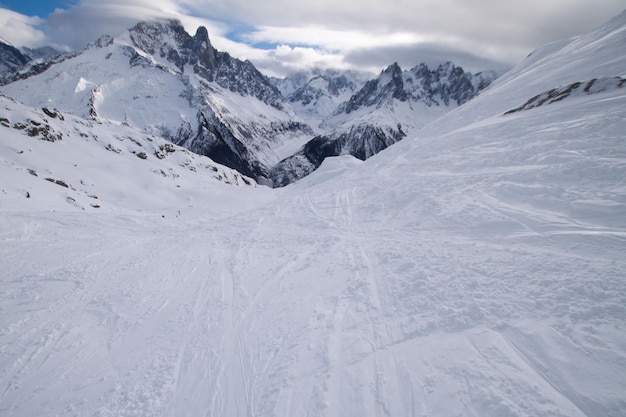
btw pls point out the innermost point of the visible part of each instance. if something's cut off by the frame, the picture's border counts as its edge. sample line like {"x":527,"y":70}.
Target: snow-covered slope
{"x":552,"y":66}
{"x":158,"y":78}
{"x":476,"y":270}
{"x":51,"y":160}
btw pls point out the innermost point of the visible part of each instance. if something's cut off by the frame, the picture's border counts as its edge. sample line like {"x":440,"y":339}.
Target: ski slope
{"x":475,"y":270}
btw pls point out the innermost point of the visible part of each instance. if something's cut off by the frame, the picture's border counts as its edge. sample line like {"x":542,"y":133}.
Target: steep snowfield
{"x":599,"y":54}
{"x":477,"y":270}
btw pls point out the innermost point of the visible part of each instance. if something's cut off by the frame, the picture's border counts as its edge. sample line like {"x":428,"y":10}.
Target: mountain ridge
{"x":212,"y":95}
{"x":115,"y":79}
{"x":383,"y":112}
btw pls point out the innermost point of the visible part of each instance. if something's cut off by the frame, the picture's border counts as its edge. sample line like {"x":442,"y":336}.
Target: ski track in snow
{"x":328,"y":302}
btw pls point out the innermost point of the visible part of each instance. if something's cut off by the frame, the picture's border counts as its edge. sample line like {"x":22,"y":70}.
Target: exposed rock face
{"x":170,"y":41}
{"x":445,"y":85}
{"x":18,"y":64}
{"x":576,"y":89}
{"x":362,"y":141}
{"x":11,"y":58}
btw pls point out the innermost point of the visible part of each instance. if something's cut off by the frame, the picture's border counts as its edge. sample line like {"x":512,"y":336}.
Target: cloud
{"x":285,"y":59}
{"x":369,"y":33}
{"x":86,"y":22}
{"x":408,"y":56}
{"x":330,"y":39}
{"x":21,"y":30}
{"x":280,"y":35}
{"x":527,"y":21}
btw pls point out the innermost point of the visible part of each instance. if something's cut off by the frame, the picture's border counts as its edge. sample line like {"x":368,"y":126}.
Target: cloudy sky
{"x":280,"y":36}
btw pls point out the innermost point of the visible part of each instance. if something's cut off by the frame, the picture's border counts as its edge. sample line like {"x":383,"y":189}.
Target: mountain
{"x":11,"y":58}
{"x":159,"y":79}
{"x":316,"y":94}
{"x":383,"y":112}
{"x":44,"y":52}
{"x":475,"y":268}
{"x":24,"y":62}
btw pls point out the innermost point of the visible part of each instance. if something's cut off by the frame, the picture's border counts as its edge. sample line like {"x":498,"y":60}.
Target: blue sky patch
{"x":41,"y":8}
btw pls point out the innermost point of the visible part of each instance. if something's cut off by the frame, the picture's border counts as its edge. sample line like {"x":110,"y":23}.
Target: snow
{"x":101,"y":165}
{"x":475,"y":270}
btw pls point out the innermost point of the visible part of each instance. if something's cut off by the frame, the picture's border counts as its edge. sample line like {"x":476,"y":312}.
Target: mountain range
{"x":158,"y":78}
{"x":474,"y":268}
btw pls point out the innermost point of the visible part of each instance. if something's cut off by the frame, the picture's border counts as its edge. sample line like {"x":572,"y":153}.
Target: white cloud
{"x":21,"y":30}
{"x":494,"y":29}
{"x":89,"y":20}
{"x":285,"y":59}
{"x":331,"y":33}
{"x":331,"y":39}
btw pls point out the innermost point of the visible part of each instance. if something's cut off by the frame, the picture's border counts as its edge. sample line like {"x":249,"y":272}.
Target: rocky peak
{"x":445,"y":85}
{"x":388,"y":85}
{"x":168,"y":39}
{"x":392,"y":70}
{"x":103,"y":41}
{"x":327,"y":84}
{"x":203,"y":51}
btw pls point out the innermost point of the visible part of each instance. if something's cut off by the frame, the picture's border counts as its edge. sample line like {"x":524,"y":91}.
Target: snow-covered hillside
{"x":476,"y":270}
{"x":51,"y":160}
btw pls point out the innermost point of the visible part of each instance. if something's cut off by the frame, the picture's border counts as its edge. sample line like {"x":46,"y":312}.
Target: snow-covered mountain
{"x":43,"y":52}
{"x":11,"y":58}
{"x":18,"y":63}
{"x":475,"y":268}
{"x":158,"y":78}
{"x":382,"y":113}
{"x":315,"y":94}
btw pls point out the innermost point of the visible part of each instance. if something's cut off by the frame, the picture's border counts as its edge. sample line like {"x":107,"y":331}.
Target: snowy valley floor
{"x":323,"y":303}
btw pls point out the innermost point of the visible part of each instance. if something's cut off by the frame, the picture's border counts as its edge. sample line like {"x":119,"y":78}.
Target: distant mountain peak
{"x":434,"y":87}
{"x":11,"y":58}
{"x":393,"y":70}
{"x":382,"y":112}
